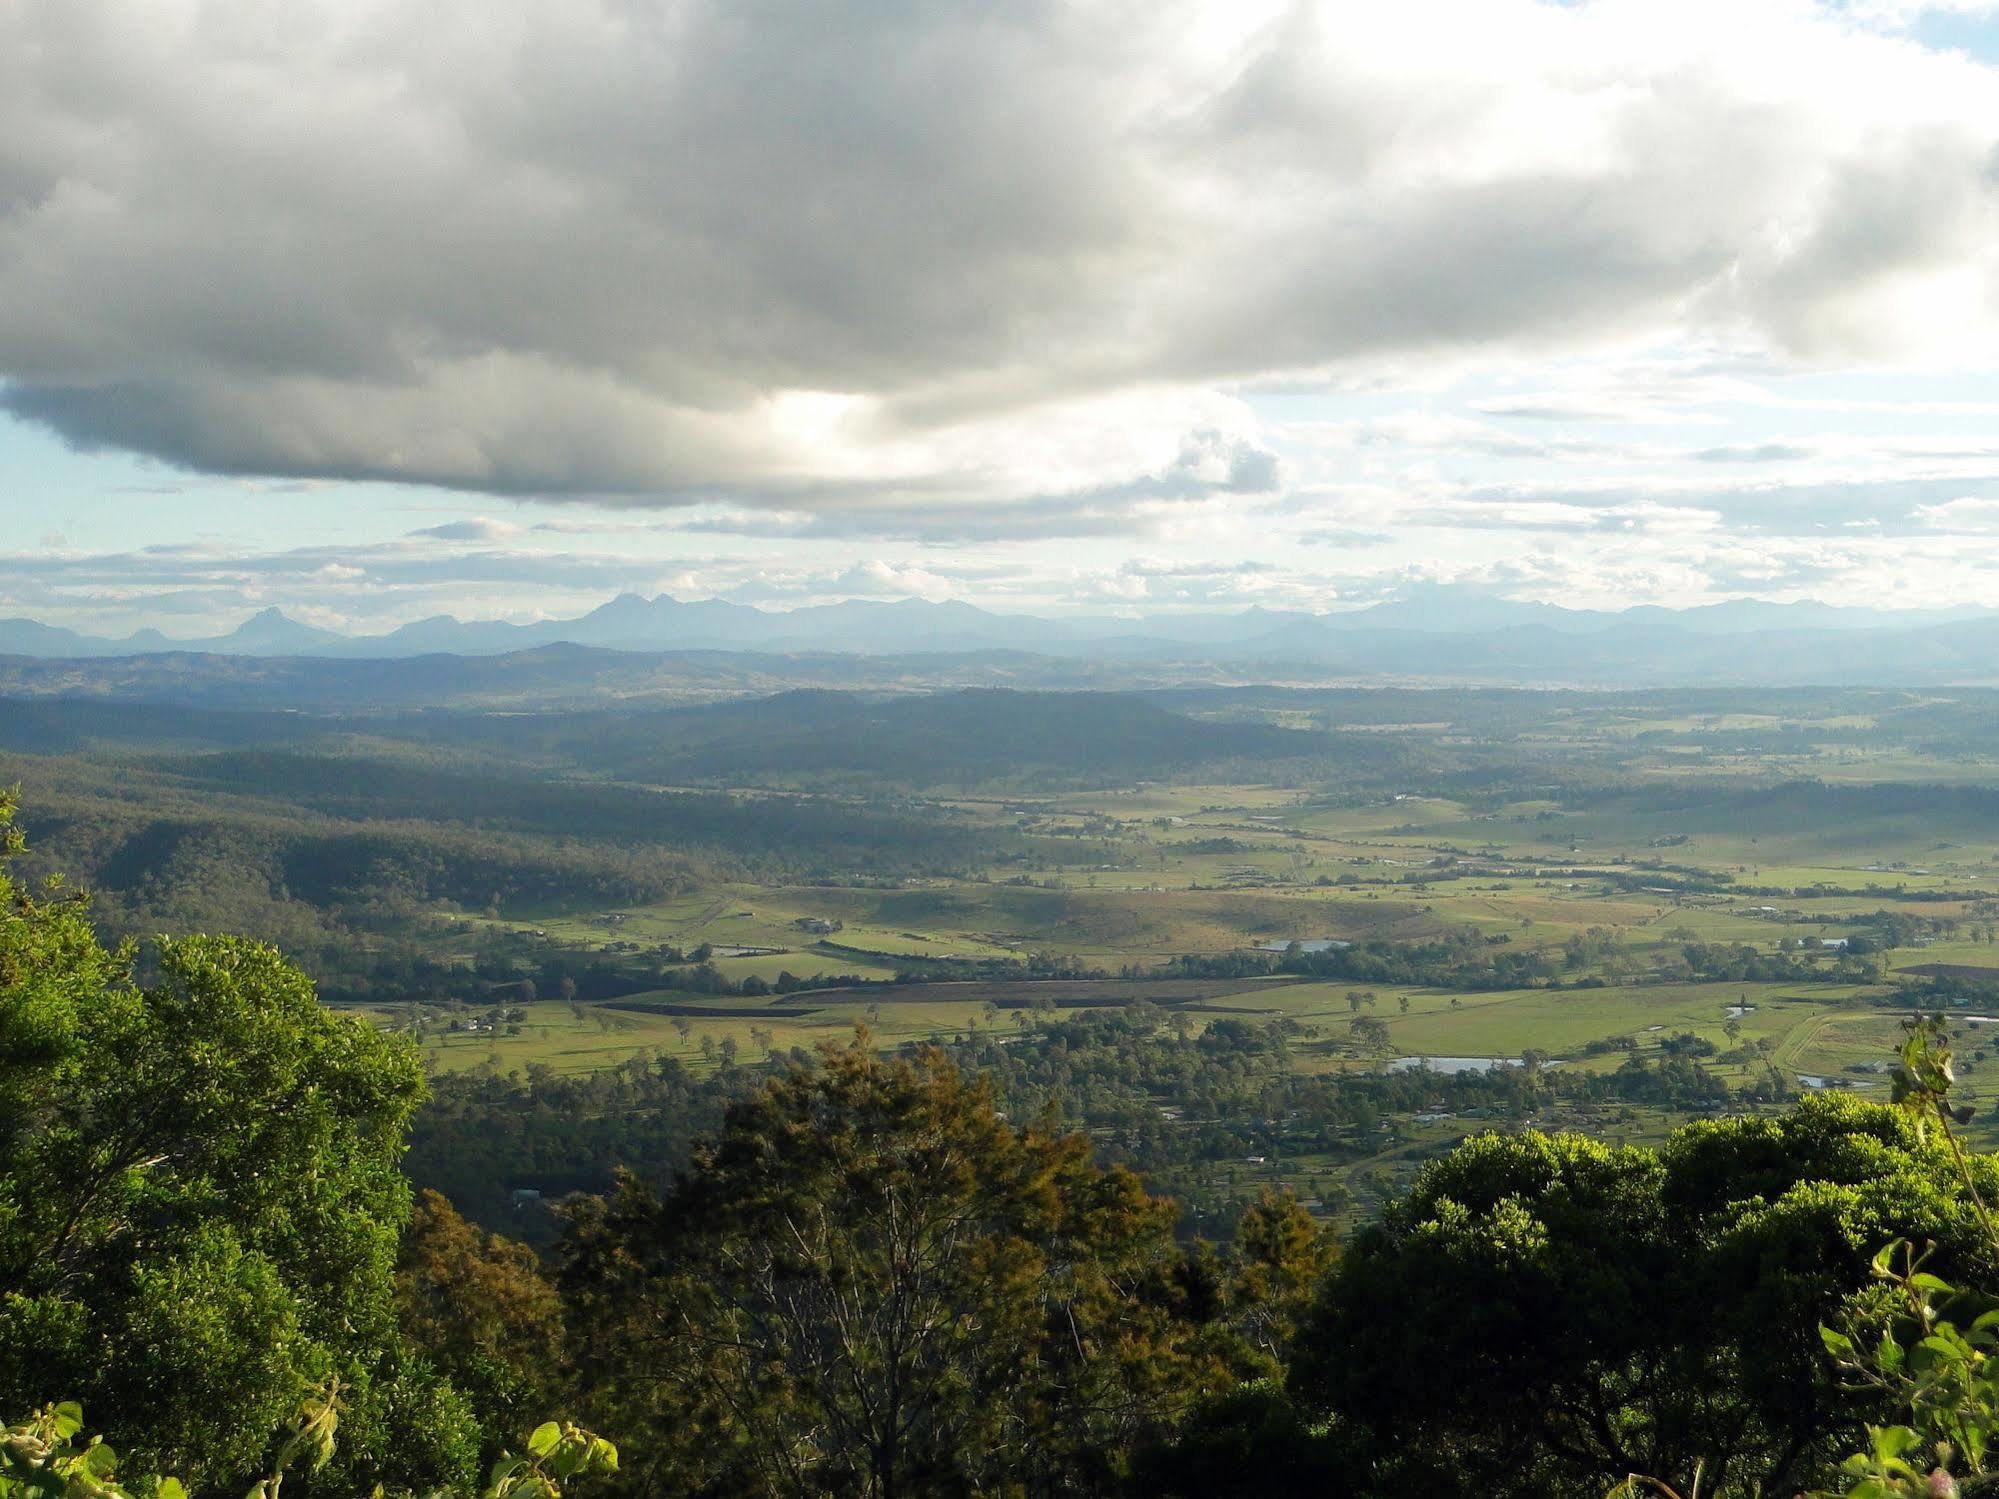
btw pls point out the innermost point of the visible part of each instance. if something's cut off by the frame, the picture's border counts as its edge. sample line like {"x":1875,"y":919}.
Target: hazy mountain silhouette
{"x":1434,"y":631}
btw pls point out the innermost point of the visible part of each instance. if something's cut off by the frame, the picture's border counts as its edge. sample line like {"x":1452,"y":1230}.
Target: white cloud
{"x":931,"y":260}
{"x":480,"y":528}
{"x":1963,"y":514}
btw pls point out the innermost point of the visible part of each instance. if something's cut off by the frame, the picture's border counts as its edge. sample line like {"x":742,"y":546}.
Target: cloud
{"x":1760,"y":452}
{"x":1527,"y":514}
{"x":874,"y":579}
{"x":1429,"y":431}
{"x":1811,"y":507}
{"x":1340,"y":536}
{"x":1643,"y":392}
{"x":1210,"y":467}
{"x":931,"y":258}
{"x":1964,"y":514}
{"x":477,"y":529}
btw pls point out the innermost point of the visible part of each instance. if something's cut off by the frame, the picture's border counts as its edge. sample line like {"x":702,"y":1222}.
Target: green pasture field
{"x":726,"y":916}
{"x":1166,"y":799}
{"x":581,"y":1038}
{"x":1814,"y":1028}
{"x":1508,"y":1023}
{"x":1138,"y":892}
{"x":1151,"y":896}
{"x":802,"y":963}
{"x":1970,"y":954}
{"x":553,"y":1036}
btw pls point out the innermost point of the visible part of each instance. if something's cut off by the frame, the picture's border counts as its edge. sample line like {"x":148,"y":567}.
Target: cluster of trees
{"x":1148,"y":1093}
{"x":1727,"y":962}
{"x":869,"y":1282}
{"x":482,"y":1136}
{"x":333,"y":854}
{"x":1474,"y":961}
{"x":201,"y":1207}
{"x":961,"y":738}
{"x":744,"y":831}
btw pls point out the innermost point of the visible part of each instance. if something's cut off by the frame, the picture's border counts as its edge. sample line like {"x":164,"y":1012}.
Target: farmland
{"x":1593,"y":883}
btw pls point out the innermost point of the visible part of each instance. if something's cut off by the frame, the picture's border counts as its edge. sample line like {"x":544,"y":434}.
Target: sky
{"x":498,"y":308}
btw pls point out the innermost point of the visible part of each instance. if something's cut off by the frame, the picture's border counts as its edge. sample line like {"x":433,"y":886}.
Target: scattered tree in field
{"x":1370,"y":1033}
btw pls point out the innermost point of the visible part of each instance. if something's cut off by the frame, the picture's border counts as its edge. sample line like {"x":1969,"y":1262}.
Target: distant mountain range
{"x":1438,"y":633}
{"x":633,"y":623}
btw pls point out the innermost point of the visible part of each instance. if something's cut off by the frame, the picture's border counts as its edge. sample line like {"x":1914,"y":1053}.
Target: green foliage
{"x":558,"y":1452}
{"x":477,"y":1305}
{"x":871,"y":1283}
{"x":480,"y":1137}
{"x":53,"y":973}
{"x":200,"y":1202}
{"x":1545,"y":1315}
{"x":46,"y":1457}
{"x":1251,"y":1443}
{"x":42,"y":1458}
{"x":1945,"y":1377}
{"x":1913,"y":1347}
{"x":1924,"y":1349}
{"x":1281,"y":1255}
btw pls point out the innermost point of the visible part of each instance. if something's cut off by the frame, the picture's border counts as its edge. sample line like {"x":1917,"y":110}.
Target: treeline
{"x":1471,"y":961}
{"x":1730,"y":962}
{"x":1155,"y":1097}
{"x":482,"y":1138}
{"x":1462,"y":960}
{"x":315,"y":886}
{"x":1719,"y":802}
